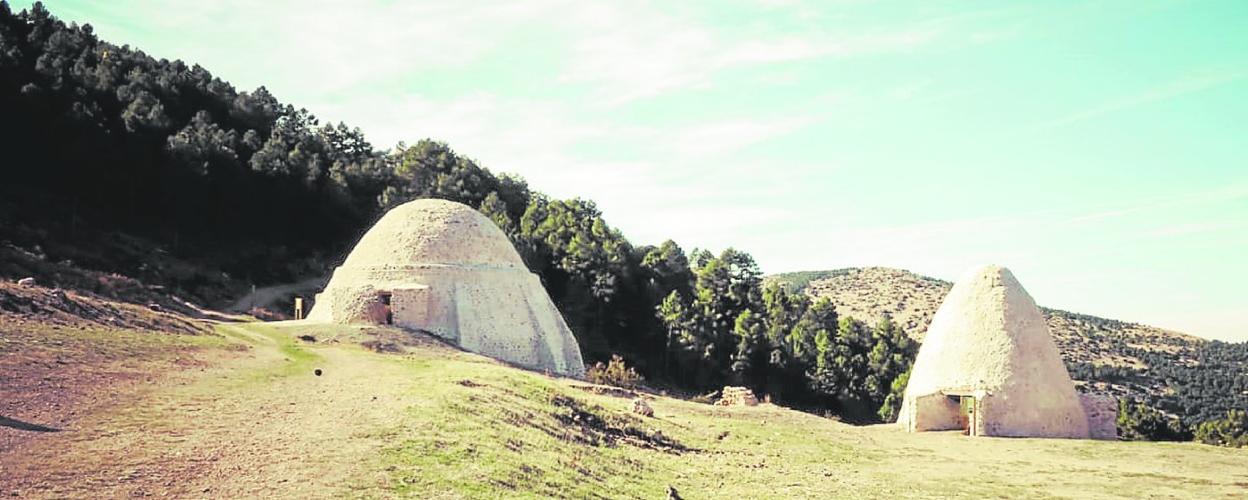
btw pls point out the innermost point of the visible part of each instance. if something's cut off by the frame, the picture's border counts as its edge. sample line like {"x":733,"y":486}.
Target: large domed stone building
{"x":989,"y":366}
{"x":443,"y":268}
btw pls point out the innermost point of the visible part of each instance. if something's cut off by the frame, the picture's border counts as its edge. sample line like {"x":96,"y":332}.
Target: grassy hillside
{"x":1179,"y":373}
{"x":240,"y":411}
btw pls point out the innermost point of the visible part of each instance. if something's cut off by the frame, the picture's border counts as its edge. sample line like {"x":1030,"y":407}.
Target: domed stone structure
{"x":443,"y":268}
{"x":989,"y":366}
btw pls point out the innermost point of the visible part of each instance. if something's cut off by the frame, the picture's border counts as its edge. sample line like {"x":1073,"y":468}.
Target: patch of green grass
{"x":481,"y":430}
{"x":491,"y":429}
{"x":295,"y":357}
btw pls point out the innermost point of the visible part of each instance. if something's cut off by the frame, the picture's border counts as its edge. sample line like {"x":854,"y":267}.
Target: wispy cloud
{"x":306,"y":50}
{"x":1191,"y":228}
{"x":1221,"y":194}
{"x":546,"y":142}
{"x":629,"y":53}
{"x":1189,"y":84}
{"x":724,"y":137}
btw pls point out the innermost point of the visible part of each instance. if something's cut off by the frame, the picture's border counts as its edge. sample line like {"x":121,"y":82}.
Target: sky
{"x":1096,"y":148}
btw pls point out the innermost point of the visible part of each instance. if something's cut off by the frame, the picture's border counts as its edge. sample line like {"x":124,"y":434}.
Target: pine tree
{"x":748,"y":330}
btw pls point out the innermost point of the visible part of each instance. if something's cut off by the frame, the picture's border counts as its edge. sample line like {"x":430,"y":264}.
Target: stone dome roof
{"x":987,"y":332}
{"x":434,"y":232}
{"x":988,"y":335}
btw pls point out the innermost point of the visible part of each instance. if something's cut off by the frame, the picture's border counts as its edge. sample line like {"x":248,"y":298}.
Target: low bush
{"x":1231,"y":431}
{"x":616,"y":373}
{"x":1138,"y":422}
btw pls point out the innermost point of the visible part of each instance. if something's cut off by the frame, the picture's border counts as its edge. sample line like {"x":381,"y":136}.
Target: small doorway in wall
{"x":966,"y":412}
{"x":385,"y":302}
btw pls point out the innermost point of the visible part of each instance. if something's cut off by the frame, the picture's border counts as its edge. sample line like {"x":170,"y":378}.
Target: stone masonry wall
{"x":1102,"y":411}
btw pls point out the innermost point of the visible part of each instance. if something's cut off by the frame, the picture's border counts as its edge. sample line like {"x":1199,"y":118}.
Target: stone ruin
{"x":443,"y":268}
{"x":989,"y":367}
{"x":1102,"y":411}
{"x":641,"y":407}
{"x":736,"y":396}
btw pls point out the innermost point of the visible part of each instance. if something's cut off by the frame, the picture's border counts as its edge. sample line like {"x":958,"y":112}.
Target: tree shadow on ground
{"x":25,"y":426}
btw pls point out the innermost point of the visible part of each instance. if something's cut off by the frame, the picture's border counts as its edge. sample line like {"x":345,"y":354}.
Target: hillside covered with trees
{"x":170,"y":179}
{"x":133,"y":176}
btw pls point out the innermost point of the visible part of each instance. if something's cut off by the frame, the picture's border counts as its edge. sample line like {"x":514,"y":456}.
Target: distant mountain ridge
{"x":1169,"y":369}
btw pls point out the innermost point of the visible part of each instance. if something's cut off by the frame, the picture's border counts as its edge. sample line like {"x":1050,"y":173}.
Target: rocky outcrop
{"x":641,"y":407}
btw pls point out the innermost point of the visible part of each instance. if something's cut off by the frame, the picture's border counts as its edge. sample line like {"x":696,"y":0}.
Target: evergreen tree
{"x":890,"y":408}
{"x":746,"y":366}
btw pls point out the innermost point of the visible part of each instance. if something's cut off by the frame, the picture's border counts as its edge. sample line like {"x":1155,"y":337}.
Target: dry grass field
{"x":241,"y":411}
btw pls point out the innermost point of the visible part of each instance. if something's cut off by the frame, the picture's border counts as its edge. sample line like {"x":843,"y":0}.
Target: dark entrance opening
{"x":385,"y":302}
{"x":966,"y":412}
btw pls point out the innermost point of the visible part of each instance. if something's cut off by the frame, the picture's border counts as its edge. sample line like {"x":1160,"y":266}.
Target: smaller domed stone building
{"x":989,"y":367}
{"x":441,"y":267}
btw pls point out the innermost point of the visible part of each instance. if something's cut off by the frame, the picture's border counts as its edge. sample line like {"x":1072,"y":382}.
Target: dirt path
{"x":262,"y":425}
{"x":264,"y":296}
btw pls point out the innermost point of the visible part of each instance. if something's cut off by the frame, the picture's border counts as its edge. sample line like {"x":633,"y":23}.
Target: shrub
{"x":1231,"y":431}
{"x":1138,"y":422}
{"x":615,"y":373}
{"x":892,"y":403}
